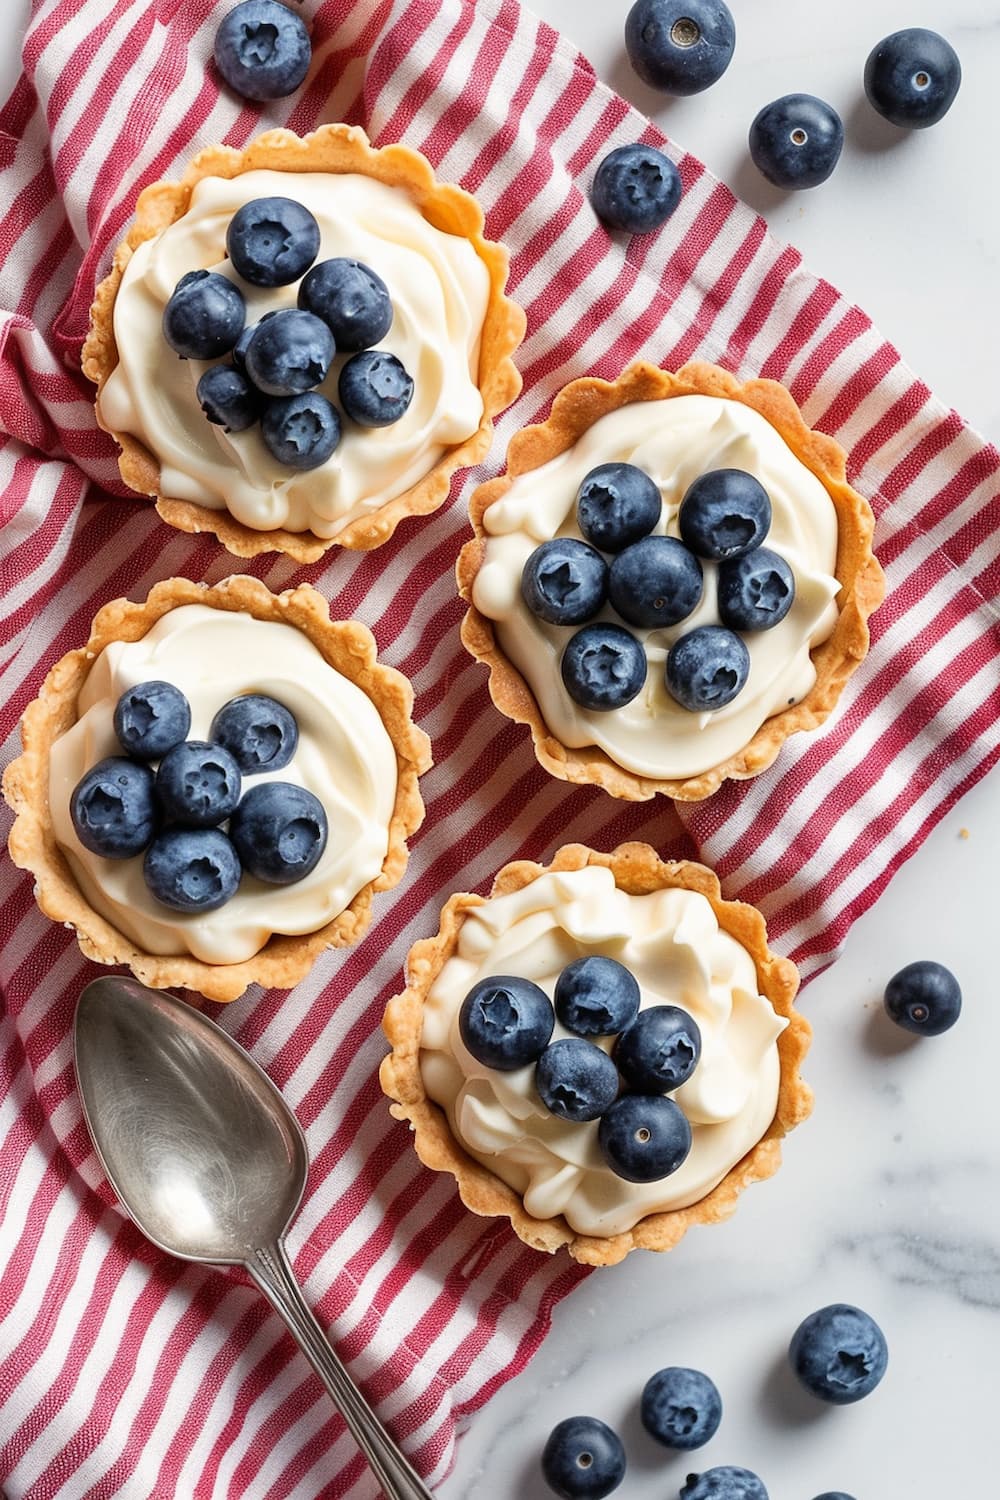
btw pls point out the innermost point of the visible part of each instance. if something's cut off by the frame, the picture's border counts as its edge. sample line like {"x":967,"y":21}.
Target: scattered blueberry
{"x":644,"y":1137}
{"x":280,"y":831}
{"x":755,"y":592}
{"x":506,"y":1022}
{"x":259,"y":733}
{"x":706,"y":668}
{"x":289,"y":353}
{"x":635,"y":188}
{"x":724,"y":513}
{"x":681,"y":1408}
{"x":603,"y":667}
{"x":796,"y":141}
{"x":924,"y":998}
{"x":912,"y":77}
{"x":375,"y":389}
{"x":583,"y":1459}
{"x":834,"y":1495}
{"x":596,"y":996}
{"x":839,"y":1353}
{"x":204,"y":316}
{"x":659,"y":1051}
{"x":564,"y":581}
{"x":351,"y":299}
{"x":151,"y":718}
{"x":262,"y":50}
{"x":192,"y":869}
{"x":617,"y":504}
{"x":655,"y":582}
{"x":575,"y":1079}
{"x":228,"y":398}
{"x":724,"y":1482}
{"x":680,"y":46}
{"x":113,"y":808}
{"x":272,"y":241}
{"x":301,"y":432}
{"x":197,"y":784}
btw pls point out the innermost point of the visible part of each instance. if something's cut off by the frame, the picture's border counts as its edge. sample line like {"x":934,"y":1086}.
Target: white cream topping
{"x":439,"y":289}
{"x":344,"y":756}
{"x":672,"y":942}
{"x":674,"y":441}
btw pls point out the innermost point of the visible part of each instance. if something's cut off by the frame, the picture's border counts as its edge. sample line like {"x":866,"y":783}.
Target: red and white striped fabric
{"x":123,"y":1373}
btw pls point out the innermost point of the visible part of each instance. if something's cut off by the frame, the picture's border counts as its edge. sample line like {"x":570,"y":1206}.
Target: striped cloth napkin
{"x":123,"y":1373}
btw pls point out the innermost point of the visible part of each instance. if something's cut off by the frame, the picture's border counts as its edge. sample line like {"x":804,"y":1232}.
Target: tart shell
{"x":862,"y":584}
{"x":347,"y":645}
{"x":637,"y":870}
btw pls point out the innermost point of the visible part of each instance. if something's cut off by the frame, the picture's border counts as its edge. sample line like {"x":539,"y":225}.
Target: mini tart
{"x":331,"y":149}
{"x":348,"y":646}
{"x":637,"y":870}
{"x":862,"y":586}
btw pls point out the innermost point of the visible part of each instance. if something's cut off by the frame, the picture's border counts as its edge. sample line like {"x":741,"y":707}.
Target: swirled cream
{"x":674,"y":441}
{"x":672,"y":942}
{"x":344,"y":756}
{"x":439,"y":289}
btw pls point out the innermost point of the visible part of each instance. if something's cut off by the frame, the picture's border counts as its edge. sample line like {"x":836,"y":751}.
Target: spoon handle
{"x":272,"y":1271}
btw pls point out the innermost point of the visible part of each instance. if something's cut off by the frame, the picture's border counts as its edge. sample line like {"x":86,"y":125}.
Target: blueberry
{"x":655,"y":582}
{"x":644,"y":1137}
{"x":617,"y":504}
{"x":596,"y":996}
{"x":280,"y":831}
{"x":706,"y":668}
{"x":259,"y":733}
{"x":659,"y":1051}
{"x":289,"y":353}
{"x":227,"y":397}
{"x":680,"y":1408}
{"x":912,"y":77}
{"x":113,"y":808}
{"x":680,"y":46}
{"x":197,"y":784}
{"x":192,"y":869}
{"x":834,"y":1495}
{"x":262,"y":50}
{"x":724,"y":1482}
{"x":603,"y":667}
{"x":755,"y":592}
{"x":725,"y":513}
{"x":301,"y":431}
{"x":636,"y":188}
{"x":243,"y":342}
{"x":583,"y":1459}
{"x":575,"y":1079}
{"x":924,"y":998}
{"x":351,"y":299}
{"x":375,"y":389}
{"x":272,"y":241}
{"x":204,"y":316}
{"x":839,"y":1353}
{"x":796,"y":141}
{"x":564,"y":581}
{"x":506,"y":1022}
{"x":151,"y":718}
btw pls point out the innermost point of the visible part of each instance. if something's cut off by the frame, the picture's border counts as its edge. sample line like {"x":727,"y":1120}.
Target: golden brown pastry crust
{"x":862,"y":584}
{"x":638,"y":870}
{"x":331,"y":148}
{"x":347,"y":645}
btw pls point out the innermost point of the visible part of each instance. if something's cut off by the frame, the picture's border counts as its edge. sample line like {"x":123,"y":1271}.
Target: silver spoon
{"x":210,"y":1162}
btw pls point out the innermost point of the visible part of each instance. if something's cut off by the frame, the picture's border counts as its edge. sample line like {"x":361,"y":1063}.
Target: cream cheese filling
{"x":439,"y":289}
{"x":672,"y":942}
{"x":344,"y":756}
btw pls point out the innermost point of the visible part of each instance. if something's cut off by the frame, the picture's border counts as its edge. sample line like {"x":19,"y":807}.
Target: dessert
{"x":672,"y":577}
{"x":213,"y":788}
{"x":233,"y":342}
{"x":580,"y":953}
